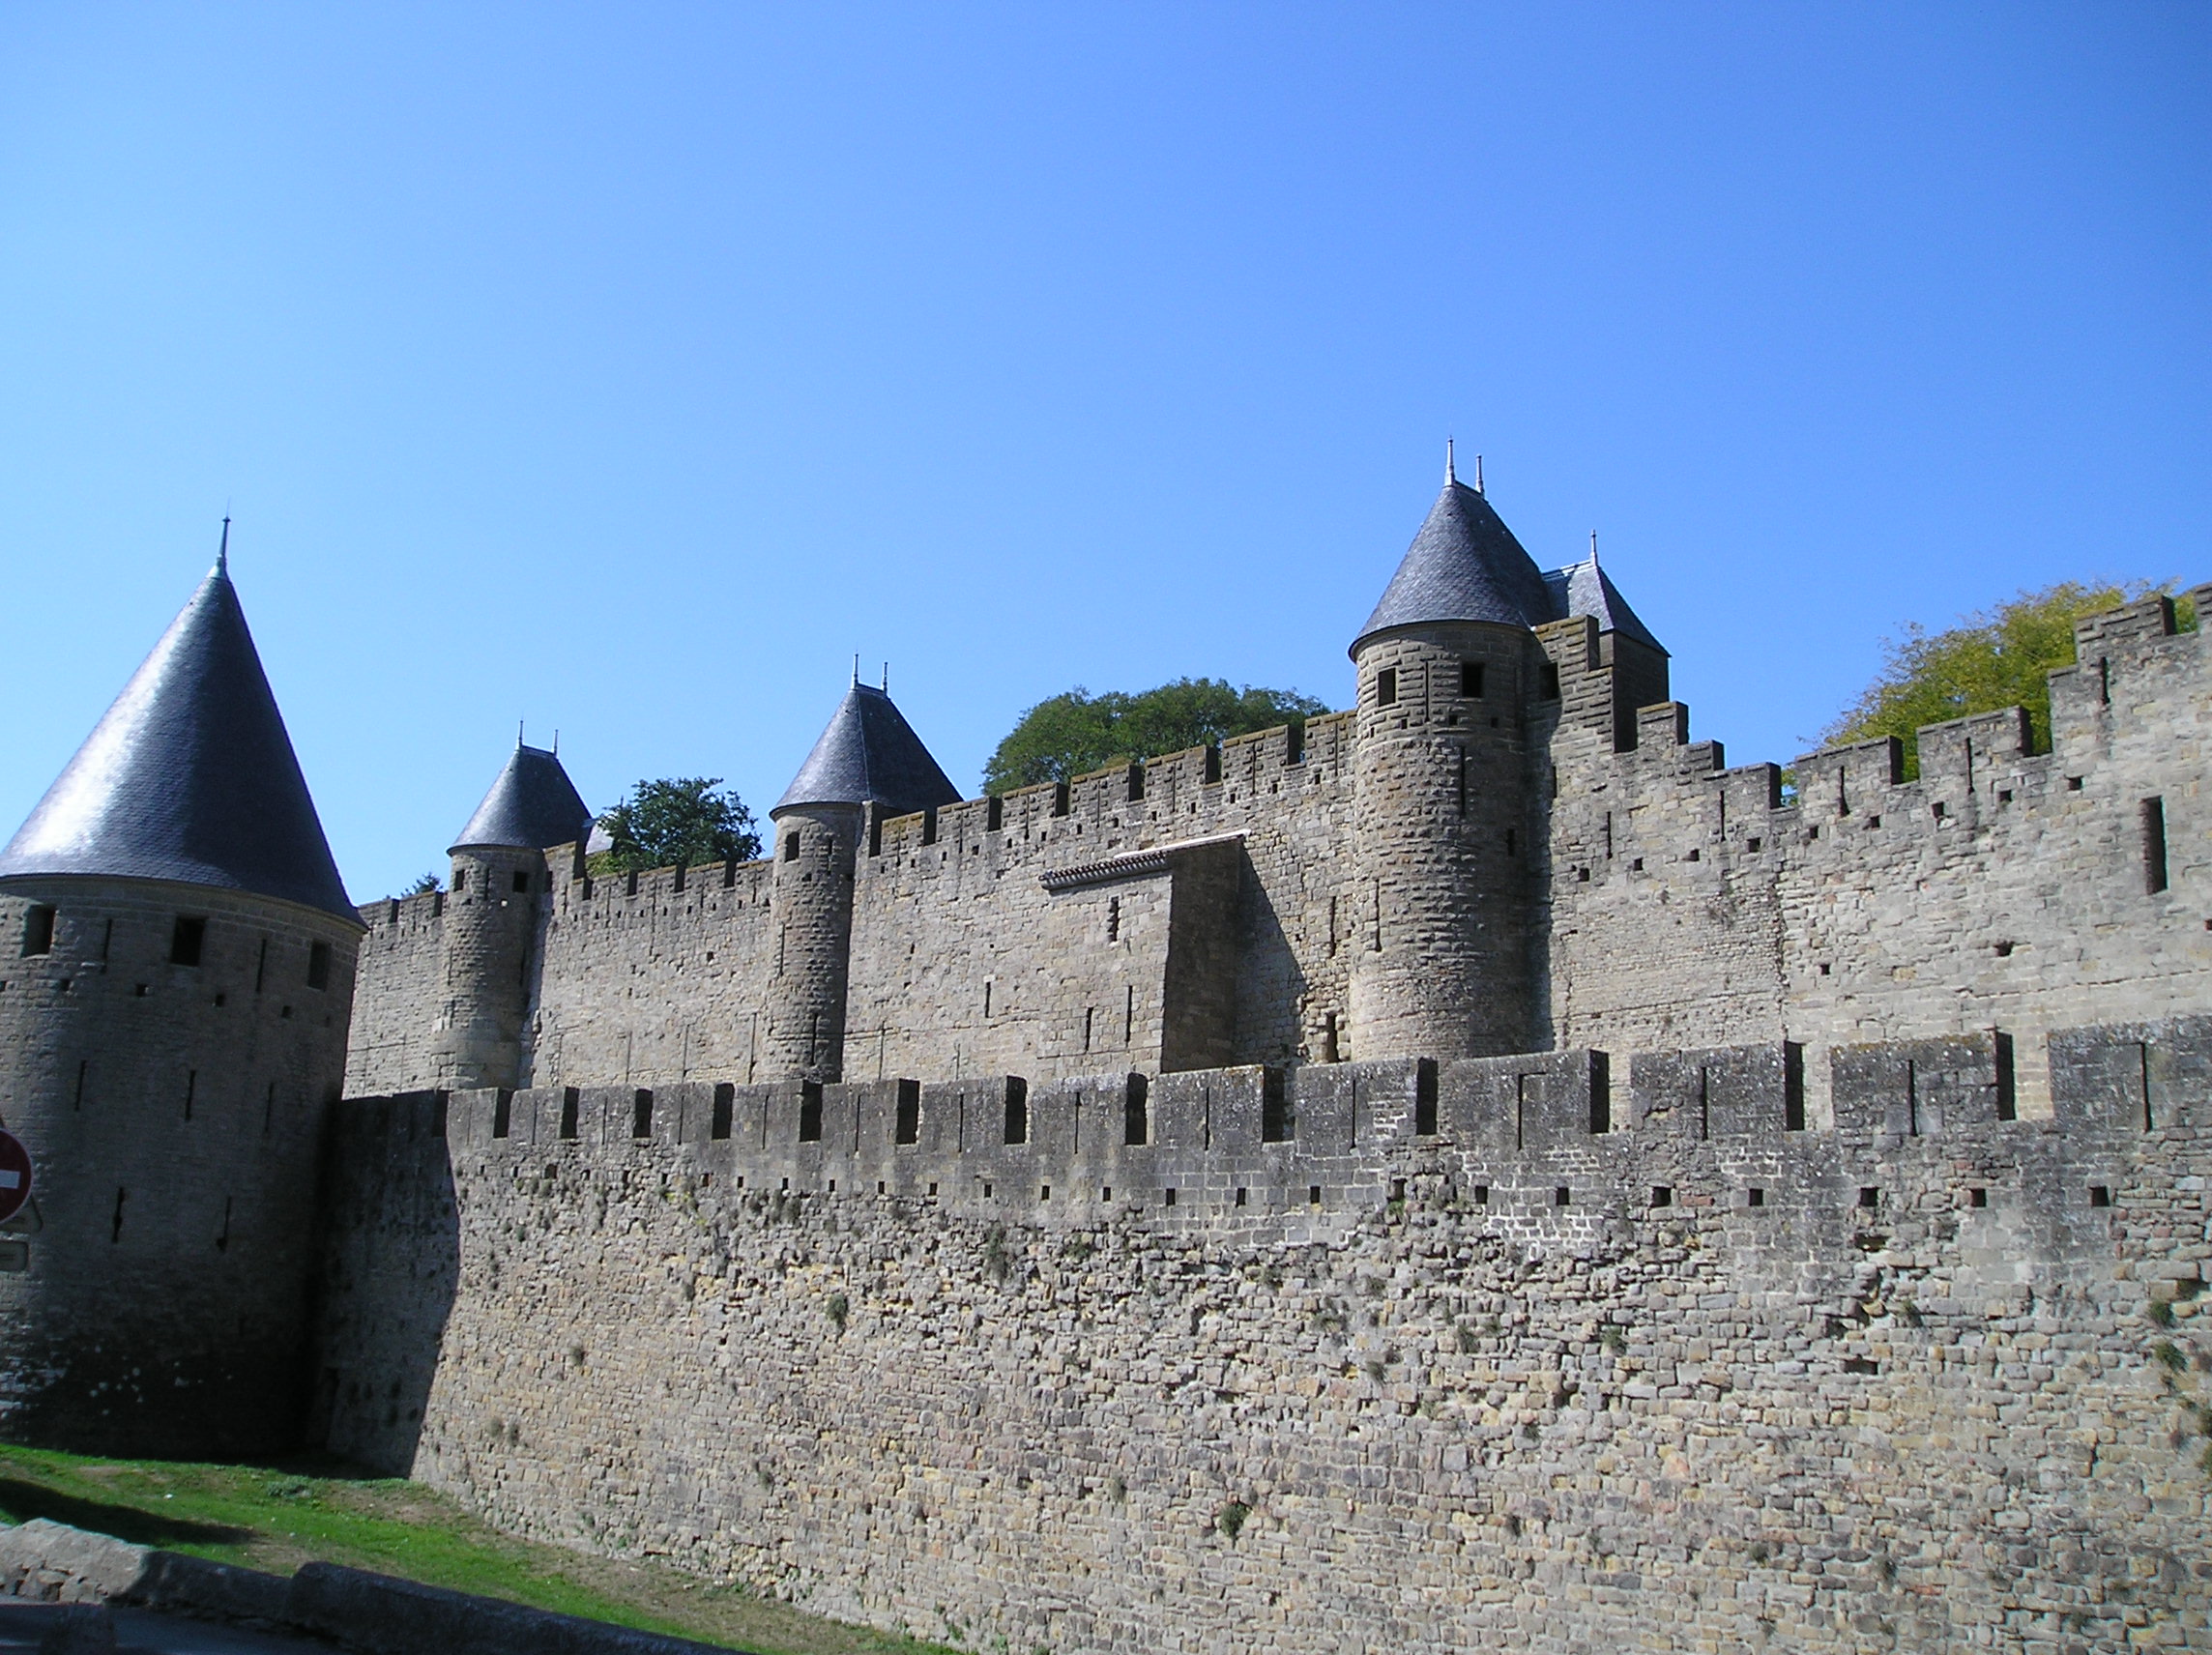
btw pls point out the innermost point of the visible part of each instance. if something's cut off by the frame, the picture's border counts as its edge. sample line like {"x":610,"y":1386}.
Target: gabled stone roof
{"x":189,"y":776}
{"x":1585,"y":588}
{"x":869,"y":754}
{"x":1465,"y":565}
{"x":531,"y":806}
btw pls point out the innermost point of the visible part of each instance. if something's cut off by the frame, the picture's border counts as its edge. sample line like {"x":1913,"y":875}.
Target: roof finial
{"x":1451,"y":474}
{"x":886,"y":678}
{"x":222,"y":552}
{"x":1593,"y":548}
{"x":518,"y":732}
{"x":1478,"y":475}
{"x":856,"y":666}
{"x":556,"y":743}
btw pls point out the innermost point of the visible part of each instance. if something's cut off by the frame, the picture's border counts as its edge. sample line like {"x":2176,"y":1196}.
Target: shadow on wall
{"x":391,"y":1267}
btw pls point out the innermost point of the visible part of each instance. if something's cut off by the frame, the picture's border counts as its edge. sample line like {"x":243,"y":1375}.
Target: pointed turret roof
{"x":189,"y":776}
{"x":1585,"y":588}
{"x":869,"y":754}
{"x":532,"y":806}
{"x":1465,"y":565}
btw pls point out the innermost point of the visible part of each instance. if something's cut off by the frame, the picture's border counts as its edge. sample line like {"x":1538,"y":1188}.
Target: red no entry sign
{"x":14,"y":1176}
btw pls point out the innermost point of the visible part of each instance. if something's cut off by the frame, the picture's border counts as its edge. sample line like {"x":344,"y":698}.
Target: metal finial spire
{"x":1593,"y":548}
{"x":518,"y":732}
{"x":856,"y":666}
{"x":1451,"y":473}
{"x":886,"y":678}
{"x":222,"y":552}
{"x":556,"y":743}
{"x":1478,"y":475}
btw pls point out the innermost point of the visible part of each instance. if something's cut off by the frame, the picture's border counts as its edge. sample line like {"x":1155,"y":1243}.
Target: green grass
{"x":277,"y":1518}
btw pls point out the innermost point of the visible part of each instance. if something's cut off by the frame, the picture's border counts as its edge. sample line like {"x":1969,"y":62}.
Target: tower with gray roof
{"x":178,"y":983}
{"x":867,"y":764}
{"x":498,"y":875}
{"x":1459,"y":694}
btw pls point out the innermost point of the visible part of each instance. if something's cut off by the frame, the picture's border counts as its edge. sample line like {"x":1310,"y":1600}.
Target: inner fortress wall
{"x":2000,"y":889}
{"x":1552,"y":1352}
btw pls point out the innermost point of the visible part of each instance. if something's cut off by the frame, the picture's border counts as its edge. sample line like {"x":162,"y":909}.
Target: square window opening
{"x":186,"y":941}
{"x":38,"y":930}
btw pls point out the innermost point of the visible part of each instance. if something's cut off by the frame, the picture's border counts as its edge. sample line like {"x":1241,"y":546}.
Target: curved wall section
{"x":168,"y":1055}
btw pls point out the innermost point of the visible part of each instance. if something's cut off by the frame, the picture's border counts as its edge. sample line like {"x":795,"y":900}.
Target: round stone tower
{"x":868,"y":758}
{"x":1443,"y":798}
{"x":490,"y":937}
{"x":176,"y":981}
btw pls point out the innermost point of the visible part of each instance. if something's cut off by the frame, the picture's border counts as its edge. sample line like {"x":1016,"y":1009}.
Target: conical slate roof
{"x":531,"y":806}
{"x":189,"y":776}
{"x":869,"y":754}
{"x":1465,"y":565}
{"x":1585,"y":588}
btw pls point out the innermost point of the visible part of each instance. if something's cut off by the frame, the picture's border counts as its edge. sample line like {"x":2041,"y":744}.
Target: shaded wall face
{"x":171,"y":1088}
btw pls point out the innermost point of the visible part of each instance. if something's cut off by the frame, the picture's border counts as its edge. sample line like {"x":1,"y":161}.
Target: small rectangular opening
{"x":1060,"y":799}
{"x":1044,"y":1192}
{"x":791,"y":846}
{"x":2154,"y":844}
{"x":1792,"y":1087}
{"x":1548,"y":681}
{"x":1397,"y":1189}
{"x":1211,"y":765}
{"x":2100,"y":1194}
{"x":1600,"y":1094}
{"x":1136,"y":1111}
{"x":319,"y":965}
{"x":1662,"y":1196}
{"x":503,"y":1113}
{"x":1330,"y":1050}
{"x":875,"y":836}
{"x":1275,"y":1123}
{"x":1482,"y":1195}
{"x":1112,"y":919}
{"x":929,"y":826}
{"x":1239,"y":1198}
{"x":1755,"y":1197}
{"x":1386,"y":687}
{"x":1294,"y":743}
{"x":521,"y":881}
{"x":1136,"y":780}
{"x":38,"y":930}
{"x":1869,"y":1197}
{"x":569,"y":1100}
{"x":993,"y":814}
{"x":460,"y":881}
{"x":1977,"y":1198}
{"x":1470,"y":679}
{"x":1167,"y":1198}
{"x":1561,"y":1196}
{"x":186,"y":941}
{"x":641,"y":1114}
{"x":810,"y":1112}
{"x":906,"y":1126}
{"x":2008,"y":1095}
{"x":1017,"y":1112}
{"x":1313,"y":1195}
{"x":1425,"y":1098}
{"x":725,"y":1109}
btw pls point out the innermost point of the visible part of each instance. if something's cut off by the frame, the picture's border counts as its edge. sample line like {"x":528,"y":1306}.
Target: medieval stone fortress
{"x":1470,"y":1170}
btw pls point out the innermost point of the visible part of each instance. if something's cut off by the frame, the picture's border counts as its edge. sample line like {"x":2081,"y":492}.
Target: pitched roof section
{"x":1585,"y":588}
{"x":189,"y":776}
{"x":532,"y":806}
{"x":1465,"y":565}
{"x":869,"y":754}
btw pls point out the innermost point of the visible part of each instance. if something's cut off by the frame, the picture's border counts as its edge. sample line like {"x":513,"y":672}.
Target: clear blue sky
{"x":629,"y":367}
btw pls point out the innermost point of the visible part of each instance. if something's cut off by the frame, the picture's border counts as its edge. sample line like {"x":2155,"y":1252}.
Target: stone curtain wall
{"x":1924,"y":1378}
{"x":2001,"y":888}
{"x":399,"y":994}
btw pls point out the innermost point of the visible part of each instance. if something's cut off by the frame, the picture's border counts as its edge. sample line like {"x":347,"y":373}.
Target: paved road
{"x":137,"y":1630}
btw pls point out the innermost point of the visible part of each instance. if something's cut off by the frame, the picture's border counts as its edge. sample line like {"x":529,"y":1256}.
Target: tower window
{"x":641,"y":1114}
{"x":38,"y":930}
{"x":521,"y":880}
{"x":460,"y":881}
{"x":1136,"y":1121}
{"x":725,"y":1107}
{"x":995,"y":815}
{"x":1470,"y":679}
{"x":1548,"y":681}
{"x":2154,"y":844}
{"x":187,"y":940}
{"x":791,"y":846}
{"x":906,"y":1127}
{"x":810,"y":1112}
{"x":1386,"y":687}
{"x":319,"y":965}
{"x":1017,"y":1115}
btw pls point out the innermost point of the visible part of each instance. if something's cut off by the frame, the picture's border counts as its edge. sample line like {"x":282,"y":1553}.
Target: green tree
{"x":423,"y":884}
{"x":1077,"y":732}
{"x":676,"y":821}
{"x":1998,"y":659}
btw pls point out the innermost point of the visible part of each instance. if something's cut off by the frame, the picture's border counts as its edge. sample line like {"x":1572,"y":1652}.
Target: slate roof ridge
{"x":189,"y":776}
{"x":868,"y":754}
{"x":1585,"y":588}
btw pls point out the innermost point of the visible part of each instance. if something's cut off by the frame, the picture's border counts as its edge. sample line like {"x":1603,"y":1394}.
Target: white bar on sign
{"x":10,"y":1181}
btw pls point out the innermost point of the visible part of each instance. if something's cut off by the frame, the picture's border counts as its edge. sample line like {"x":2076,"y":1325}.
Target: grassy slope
{"x":276,"y":1520}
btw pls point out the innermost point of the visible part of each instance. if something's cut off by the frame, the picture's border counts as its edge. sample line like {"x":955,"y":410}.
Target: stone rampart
{"x":1558,"y":1351}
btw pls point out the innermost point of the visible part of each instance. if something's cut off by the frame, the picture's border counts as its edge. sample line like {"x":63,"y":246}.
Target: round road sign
{"x":14,"y":1176}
